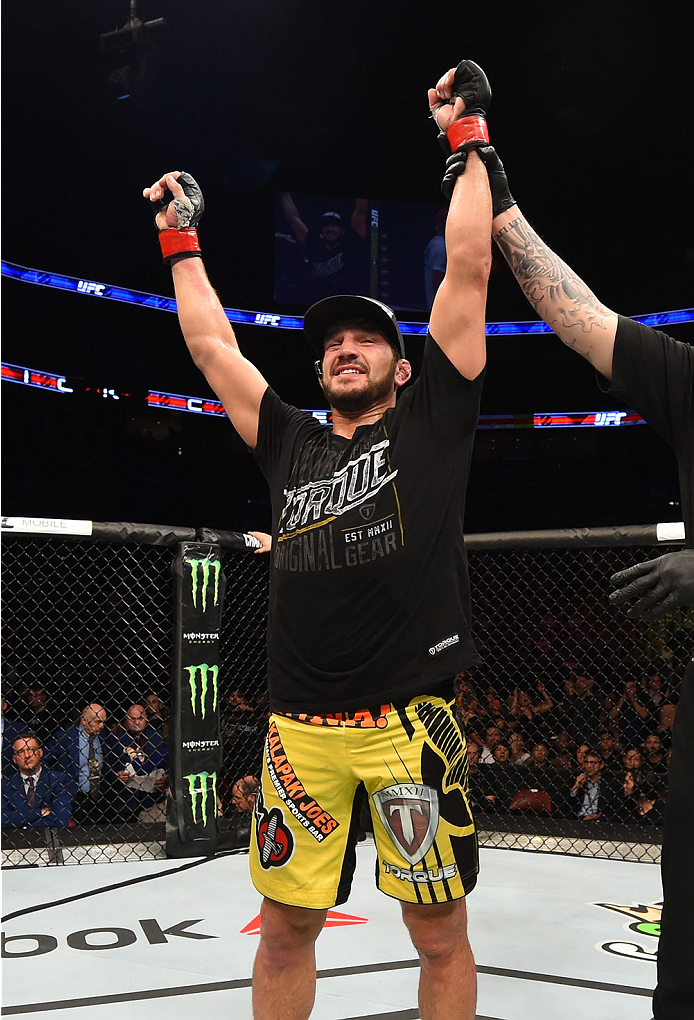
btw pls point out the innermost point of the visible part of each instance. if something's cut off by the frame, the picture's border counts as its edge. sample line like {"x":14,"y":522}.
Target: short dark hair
{"x":28,"y":735}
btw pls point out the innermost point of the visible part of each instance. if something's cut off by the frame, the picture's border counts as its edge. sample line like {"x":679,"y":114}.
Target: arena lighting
{"x":105,"y":291}
{"x":161,"y":400}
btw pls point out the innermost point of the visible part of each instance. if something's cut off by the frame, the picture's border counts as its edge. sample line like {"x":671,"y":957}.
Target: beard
{"x":355,"y":401}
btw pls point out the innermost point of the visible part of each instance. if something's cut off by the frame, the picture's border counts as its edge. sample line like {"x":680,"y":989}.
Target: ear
{"x":403,"y":372}
{"x":319,"y":369}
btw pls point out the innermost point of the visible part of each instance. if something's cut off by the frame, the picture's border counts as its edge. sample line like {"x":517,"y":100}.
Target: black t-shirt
{"x":655,"y":374}
{"x":343,"y":269}
{"x":369,"y":592}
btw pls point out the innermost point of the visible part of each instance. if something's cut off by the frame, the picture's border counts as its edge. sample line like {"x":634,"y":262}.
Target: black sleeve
{"x":653,"y":373}
{"x":277,"y":423}
{"x":444,"y":399}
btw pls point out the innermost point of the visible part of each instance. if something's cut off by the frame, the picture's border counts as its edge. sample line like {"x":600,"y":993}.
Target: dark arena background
{"x":106,"y":419}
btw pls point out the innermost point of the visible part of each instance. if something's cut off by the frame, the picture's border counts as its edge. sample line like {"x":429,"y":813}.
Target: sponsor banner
{"x":440,"y":874}
{"x":196,"y":745}
{"x":410,"y":816}
{"x":273,"y":835}
{"x":46,"y":526}
{"x":644,"y":919}
{"x":305,"y":808}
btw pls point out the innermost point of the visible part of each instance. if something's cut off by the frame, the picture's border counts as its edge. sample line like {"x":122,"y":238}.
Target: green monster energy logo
{"x":205,"y":672}
{"x":206,"y":565}
{"x":198,"y":786}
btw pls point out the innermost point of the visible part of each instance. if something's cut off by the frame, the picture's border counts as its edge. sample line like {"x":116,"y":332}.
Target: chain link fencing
{"x":88,"y":633}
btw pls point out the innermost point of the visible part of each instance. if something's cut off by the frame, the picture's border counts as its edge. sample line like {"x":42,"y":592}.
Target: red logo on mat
{"x":334,"y":920}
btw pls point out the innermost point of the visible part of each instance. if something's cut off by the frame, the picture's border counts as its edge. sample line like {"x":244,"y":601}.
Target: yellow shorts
{"x":412,"y":764}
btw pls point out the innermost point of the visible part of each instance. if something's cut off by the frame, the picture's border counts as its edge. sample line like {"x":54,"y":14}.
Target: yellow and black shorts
{"x":411,"y":762}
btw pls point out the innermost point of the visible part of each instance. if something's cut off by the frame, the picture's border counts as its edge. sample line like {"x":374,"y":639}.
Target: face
{"x":581,"y":754}
{"x":473,"y":753}
{"x":633,"y":759}
{"x":94,"y":719}
{"x":27,"y":754}
{"x":539,"y":753}
{"x":36,"y":699}
{"x":607,"y":741}
{"x":331,"y":232}
{"x":359,"y":368}
{"x":240,"y":798}
{"x":502,"y":753}
{"x":652,"y":745}
{"x":517,"y":742}
{"x":592,"y":766}
{"x":136,"y":719}
{"x":584,"y":685}
{"x":154,"y":704}
{"x":493,"y":736}
{"x":524,"y":699}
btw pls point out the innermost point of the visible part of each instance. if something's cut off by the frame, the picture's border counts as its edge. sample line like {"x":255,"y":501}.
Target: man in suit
{"x":136,"y":763}
{"x":34,"y":797}
{"x":79,"y":751}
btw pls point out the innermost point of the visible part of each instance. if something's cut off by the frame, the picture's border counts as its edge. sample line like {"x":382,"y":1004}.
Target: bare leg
{"x":284,"y":973}
{"x":448,"y":981}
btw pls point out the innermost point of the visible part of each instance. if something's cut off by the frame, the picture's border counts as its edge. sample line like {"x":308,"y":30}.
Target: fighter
{"x":369,"y":596}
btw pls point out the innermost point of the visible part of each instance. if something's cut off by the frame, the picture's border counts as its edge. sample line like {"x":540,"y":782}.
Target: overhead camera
{"x":131,"y":56}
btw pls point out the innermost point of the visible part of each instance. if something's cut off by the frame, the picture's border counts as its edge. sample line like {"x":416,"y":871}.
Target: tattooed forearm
{"x":556,"y":293}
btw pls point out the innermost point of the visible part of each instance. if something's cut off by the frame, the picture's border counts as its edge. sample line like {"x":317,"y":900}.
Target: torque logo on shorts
{"x":410,"y":815}
{"x":275,"y":841}
{"x":430,"y":875}
{"x":204,"y":567}
{"x":206,"y":672}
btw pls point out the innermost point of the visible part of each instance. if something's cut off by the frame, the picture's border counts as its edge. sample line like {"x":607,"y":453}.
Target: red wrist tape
{"x":467,"y":129}
{"x":179,"y":242}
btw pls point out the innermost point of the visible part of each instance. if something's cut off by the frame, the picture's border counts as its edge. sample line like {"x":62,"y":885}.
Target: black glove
{"x":472,"y":85}
{"x":189,"y":210}
{"x":502,"y":198}
{"x":660,"y":585}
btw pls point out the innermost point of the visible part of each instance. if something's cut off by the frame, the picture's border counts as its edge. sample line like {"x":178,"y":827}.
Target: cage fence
{"x":88,"y":631}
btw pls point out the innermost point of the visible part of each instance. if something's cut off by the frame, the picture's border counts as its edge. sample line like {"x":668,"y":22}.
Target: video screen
{"x":327,"y":244}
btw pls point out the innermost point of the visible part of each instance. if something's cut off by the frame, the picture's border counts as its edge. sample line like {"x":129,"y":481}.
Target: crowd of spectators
{"x":83,"y":766}
{"x":572,"y":748}
{"x":568,"y":749}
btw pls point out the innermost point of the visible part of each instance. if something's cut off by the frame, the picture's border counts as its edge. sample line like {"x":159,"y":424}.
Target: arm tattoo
{"x":556,"y":293}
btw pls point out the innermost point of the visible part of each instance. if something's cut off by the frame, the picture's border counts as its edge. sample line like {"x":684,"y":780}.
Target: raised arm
{"x":458,"y":312}
{"x":558,"y":295}
{"x":206,"y":329}
{"x":293,"y":219}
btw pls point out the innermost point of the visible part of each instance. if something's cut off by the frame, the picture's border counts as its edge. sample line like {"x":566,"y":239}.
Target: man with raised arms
{"x":369,"y":616}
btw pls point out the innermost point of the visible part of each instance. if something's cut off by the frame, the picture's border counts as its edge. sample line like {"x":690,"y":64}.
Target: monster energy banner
{"x":192,"y":828}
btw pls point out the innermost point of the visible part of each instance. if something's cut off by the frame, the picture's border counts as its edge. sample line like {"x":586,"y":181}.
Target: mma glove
{"x":660,"y":585}
{"x":470,"y":130}
{"x":181,"y":241}
{"x":471,"y":84}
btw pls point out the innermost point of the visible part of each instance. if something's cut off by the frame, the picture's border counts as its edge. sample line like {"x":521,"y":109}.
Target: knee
{"x":287,"y":931}
{"x":438,"y":932}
